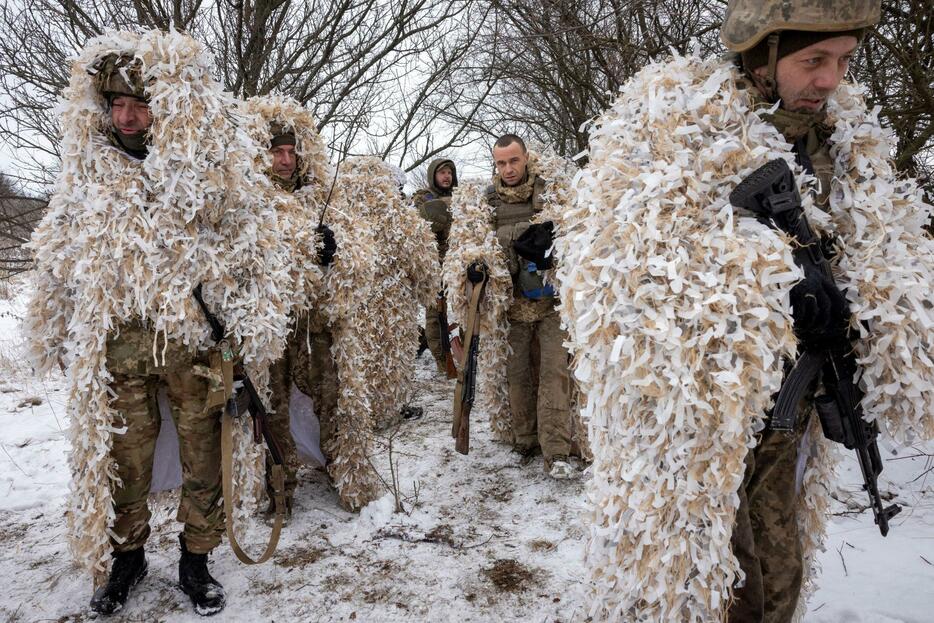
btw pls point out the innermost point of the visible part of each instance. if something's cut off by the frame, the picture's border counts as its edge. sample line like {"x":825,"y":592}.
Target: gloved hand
{"x":820,"y":311}
{"x":534,"y":243}
{"x":476,"y":273}
{"x":328,"y":247}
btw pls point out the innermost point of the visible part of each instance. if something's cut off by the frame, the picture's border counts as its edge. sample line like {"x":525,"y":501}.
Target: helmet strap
{"x":770,"y":81}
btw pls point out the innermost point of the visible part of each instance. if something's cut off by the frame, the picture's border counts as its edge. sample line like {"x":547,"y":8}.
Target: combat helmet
{"x":747,"y":22}
{"x":119,"y":74}
{"x":753,"y":29}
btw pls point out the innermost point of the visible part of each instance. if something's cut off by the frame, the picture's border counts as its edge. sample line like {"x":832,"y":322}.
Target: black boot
{"x":127,"y":570}
{"x":205,"y":592}
{"x":410,"y":412}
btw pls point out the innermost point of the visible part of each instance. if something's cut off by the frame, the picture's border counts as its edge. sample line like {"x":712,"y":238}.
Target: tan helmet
{"x":747,"y":22}
{"x":119,"y":75}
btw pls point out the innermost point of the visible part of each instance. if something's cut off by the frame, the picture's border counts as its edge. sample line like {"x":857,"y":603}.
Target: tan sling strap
{"x":223,"y":359}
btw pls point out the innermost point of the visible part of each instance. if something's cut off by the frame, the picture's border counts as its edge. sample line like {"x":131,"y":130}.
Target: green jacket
{"x":434,"y":204}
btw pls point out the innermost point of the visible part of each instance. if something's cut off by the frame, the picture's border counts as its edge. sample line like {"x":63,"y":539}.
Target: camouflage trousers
{"x":539,"y":382}
{"x":309,"y":364}
{"x":433,"y":336}
{"x":765,"y":536}
{"x":136,"y":382}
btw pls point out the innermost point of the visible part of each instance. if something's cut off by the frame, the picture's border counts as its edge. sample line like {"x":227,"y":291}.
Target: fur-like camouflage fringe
{"x":127,"y":240}
{"x":381,"y":334}
{"x":679,"y":321}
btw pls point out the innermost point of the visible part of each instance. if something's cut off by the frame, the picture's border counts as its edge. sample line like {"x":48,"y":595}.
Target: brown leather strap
{"x":472,"y":326}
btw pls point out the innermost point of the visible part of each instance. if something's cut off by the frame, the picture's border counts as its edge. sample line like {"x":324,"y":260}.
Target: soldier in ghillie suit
{"x":677,"y":304}
{"x":338,"y":273}
{"x":434,"y":205}
{"x":384,"y":328}
{"x":150,"y":203}
{"x":523,"y":354}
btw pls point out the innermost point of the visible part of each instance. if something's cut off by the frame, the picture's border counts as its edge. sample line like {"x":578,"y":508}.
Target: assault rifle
{"x":233,"y":372}
{"x":465,"y":390}
{"x":771,"y":194}
{"x":445,"y":330}
{"x":255,"y":405}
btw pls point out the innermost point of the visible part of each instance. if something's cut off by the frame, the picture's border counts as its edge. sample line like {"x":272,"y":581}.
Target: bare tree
{"x":375,"y":72}
{"x":897,"y":66}
{"x":19,"y":214}
{"x":558,"y":63}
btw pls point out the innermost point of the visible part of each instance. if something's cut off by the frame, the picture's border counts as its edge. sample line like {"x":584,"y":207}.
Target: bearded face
{"x":444,"y":178}
{"x":806,"y":78}
{"x":130,"y":115}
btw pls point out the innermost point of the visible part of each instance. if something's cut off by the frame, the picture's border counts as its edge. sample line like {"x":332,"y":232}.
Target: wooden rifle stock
{"x":464,"y":391}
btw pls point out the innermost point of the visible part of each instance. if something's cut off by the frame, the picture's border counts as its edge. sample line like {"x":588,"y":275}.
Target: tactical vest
{"x":509,"y":221}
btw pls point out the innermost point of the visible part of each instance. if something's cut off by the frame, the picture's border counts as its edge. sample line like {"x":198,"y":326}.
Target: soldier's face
{"x":283,"y":160}
{"x":130,"y":115}
{"x":444,"y":177}
{"x":510,"y":163}
{"x":809,"y":76}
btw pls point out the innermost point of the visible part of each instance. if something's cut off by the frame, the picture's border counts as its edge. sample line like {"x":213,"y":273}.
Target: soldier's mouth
{"x":809,"y":104}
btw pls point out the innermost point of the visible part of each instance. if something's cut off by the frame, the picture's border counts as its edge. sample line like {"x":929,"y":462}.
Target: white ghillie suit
{"x":127,"y":240}
{"x":473,"y":239}
{"x":299,"y":212}
{"x":336,"y":294}
{"x":405,"y":255}
{"x":679,"y":318}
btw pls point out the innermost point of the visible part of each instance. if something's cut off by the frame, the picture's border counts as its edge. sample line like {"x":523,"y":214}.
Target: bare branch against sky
{"x":375,"y":72}
{"x":409,"y":80}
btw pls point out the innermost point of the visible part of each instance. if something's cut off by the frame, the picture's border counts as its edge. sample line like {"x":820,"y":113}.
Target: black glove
{"x":328,"y":246}
{"x":476,"y":273}
{"x":534,"y":243}
{"x":820,"y":311}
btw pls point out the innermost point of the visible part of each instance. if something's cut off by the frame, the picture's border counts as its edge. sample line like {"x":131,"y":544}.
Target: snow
{"x":480,"y":538}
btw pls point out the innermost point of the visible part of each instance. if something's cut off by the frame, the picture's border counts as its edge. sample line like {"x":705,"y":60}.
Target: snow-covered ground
{"x":482,"y":538}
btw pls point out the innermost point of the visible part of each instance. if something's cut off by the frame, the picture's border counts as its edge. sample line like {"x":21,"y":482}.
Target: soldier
{"x":536,"y":366}
{"x":337,"y":272}
{"x":434,"y":205}
{"x":307,"y":361}
{"x":678,"y":309}
{"x":132,"y":228}
{"x":405,"y":255}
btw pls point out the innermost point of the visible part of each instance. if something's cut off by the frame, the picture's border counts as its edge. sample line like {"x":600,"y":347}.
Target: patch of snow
{"x":482,"y":537}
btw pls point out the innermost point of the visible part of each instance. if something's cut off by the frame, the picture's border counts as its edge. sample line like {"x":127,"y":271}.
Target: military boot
{"x":411,"y":412}
{"x":205,"y":592}
{"x":560,"y":468}
{"x":127,"y":570}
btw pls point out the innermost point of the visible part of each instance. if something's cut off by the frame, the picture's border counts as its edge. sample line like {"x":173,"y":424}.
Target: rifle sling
{"x":229,"y":420}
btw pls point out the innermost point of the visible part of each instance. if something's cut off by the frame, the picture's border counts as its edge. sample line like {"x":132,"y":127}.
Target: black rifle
{"x":771,"y":194}
{"x":255,"y":405}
